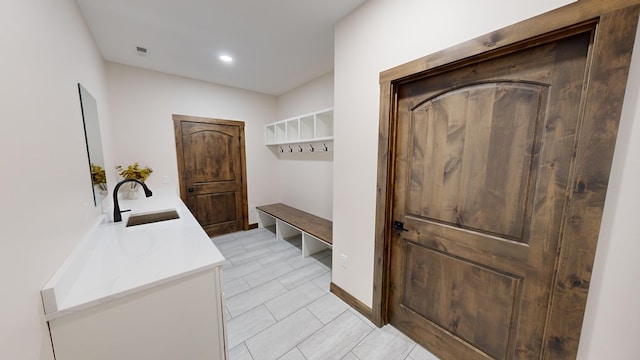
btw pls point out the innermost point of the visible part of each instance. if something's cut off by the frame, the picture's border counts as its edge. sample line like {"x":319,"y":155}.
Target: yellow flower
{"x":134,"y":172}
{"x":98,"y":175}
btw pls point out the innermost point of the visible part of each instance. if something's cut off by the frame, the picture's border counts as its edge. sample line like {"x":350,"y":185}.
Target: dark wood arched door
{"x":482,"y":177}
{"x":494,"y":163}
{"x":212,"y":172}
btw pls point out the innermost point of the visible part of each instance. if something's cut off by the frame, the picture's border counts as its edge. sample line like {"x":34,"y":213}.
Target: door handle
{"x":190,"y":189}
{"x":399,"y":225}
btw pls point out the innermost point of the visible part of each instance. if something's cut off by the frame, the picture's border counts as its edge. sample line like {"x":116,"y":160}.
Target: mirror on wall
{"x":94,"y":144}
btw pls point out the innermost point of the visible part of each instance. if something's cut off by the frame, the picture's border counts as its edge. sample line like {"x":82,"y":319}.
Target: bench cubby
{"x":287,"y":222}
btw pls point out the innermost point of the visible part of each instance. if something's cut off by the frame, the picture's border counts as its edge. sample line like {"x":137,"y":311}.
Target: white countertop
{"x":114,"y":261}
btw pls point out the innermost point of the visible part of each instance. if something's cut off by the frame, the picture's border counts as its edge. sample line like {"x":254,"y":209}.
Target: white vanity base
{"x":176,"y":320}
{"x":150,"y":291}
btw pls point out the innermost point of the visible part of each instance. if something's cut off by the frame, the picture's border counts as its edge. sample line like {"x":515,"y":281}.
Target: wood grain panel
{"x":473,"y":150}
{"x":471,"y":301}
{"x":216,"y":208}
{"x":213,"y":168}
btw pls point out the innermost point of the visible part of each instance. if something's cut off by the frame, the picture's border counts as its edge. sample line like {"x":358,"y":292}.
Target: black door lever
{"x":399,"y":225}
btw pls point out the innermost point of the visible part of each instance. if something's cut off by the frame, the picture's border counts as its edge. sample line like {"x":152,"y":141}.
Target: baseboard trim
{"x":353,"y":302}
{"x":253,"y":226}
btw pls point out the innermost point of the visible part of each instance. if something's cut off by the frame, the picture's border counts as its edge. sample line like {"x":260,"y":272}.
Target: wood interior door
{"x":484,"y":157}
{"x":211,"y":163}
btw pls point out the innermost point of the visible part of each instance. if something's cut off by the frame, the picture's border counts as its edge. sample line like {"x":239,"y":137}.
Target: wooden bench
{"x":316,"y":232}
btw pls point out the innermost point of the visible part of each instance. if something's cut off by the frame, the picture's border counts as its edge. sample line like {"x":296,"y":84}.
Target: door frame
{"x":177,"y":126}
{"x":615,"y":23}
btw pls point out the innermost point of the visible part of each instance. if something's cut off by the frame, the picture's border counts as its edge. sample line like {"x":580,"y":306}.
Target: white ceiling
{"x":277,"y":45}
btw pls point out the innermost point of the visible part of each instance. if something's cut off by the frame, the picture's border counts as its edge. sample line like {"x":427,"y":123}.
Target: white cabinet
{"x":181,"y":319}
{"x":151,"y":291}
{"x":316,"y":127}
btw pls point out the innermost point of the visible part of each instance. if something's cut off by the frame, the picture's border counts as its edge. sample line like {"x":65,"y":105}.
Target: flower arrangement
{"x":98,"y":177}
{"x":134,"y":172}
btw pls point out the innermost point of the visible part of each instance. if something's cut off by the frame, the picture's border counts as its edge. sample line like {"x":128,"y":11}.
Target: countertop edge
{"x":74,"y":277}
{"x":61,"y":282}
{"x":86,"y":305}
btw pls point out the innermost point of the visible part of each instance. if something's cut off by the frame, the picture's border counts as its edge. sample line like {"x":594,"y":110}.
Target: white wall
{"x":305,"y":180}
{"x":141,"y":105}
{"x":312,"y":96}
{"x":47,"y":203}
{"x":385,"y":33}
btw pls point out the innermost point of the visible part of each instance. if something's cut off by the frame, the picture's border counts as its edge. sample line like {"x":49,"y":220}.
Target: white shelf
{"x":293,"y":129}
{"x":281,"y":132}
{"x":270,"y":134}
{"x":324,"y":124}
{"x":309,"y":128}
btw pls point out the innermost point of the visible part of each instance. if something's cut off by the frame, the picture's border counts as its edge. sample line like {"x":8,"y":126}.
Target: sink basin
{"x":151,"y":217}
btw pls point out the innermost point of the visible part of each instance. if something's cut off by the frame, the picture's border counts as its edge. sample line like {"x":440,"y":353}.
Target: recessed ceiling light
{"x":226,"y":58}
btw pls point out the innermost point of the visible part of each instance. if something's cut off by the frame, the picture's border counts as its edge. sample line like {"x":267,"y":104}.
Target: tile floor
{"x":278,"y":306}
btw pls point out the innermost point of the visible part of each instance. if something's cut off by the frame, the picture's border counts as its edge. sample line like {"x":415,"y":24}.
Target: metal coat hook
{"x":324,"y":147}
{"x":299,"y":148}
{"x":290,"y":149}
{"x":281,"y":149}
{"x":312,"y":149}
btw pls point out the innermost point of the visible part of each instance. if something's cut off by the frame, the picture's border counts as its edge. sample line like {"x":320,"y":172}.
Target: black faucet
{"x":117,"y":217}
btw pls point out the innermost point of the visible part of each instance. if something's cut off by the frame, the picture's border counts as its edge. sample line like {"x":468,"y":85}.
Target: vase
{"x":132,"y":194}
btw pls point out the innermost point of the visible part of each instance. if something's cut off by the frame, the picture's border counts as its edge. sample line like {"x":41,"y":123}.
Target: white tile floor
{"x":278,"y":306}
